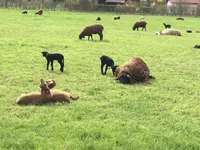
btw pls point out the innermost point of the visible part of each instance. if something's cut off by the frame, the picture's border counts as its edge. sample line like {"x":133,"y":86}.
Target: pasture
{"x":161,"y":114}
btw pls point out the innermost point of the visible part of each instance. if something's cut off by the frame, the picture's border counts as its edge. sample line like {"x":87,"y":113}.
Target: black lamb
{"x":54,"y":56}
{"x":117,"y":18}
{"x":139,"y":24}
{"x":92,"y":29}
{"x":105,"y":60}
{"x":25,"y":12}
{"x":167,"y":25}
{"x":98,"y":19}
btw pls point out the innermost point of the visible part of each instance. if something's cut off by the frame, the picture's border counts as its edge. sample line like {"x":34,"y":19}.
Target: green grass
{"x":164,"y":114}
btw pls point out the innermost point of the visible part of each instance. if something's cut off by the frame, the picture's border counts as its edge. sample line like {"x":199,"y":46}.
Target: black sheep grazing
{"x":132,"y":71}
{"x":105,"y":60}
{"x":40,"y":12}
{"x":117,"y":18}
{"x":25,"y":12}
{"x":189,"y":31}
{"x":167,"y":25}
{"x":98,"y":19}
{"x":139,"y":24}
{"x":92,"y":29}
{"x":54,"y":56}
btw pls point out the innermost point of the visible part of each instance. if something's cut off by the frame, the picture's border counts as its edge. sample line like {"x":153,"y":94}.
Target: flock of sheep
{"x":132,"y":71}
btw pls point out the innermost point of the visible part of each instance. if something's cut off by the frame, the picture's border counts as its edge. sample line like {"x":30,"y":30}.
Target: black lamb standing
{"x":105,"y":60}
{"x":54,"y":56}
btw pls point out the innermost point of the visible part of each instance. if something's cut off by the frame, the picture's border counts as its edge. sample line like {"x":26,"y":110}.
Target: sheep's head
{"x":81,"y":36}
{"x":113,"y":69}
{"x":134,"y":27}
{"x":124,"y":79}
{"x":44,"y":54}
{"x":51,"y":83}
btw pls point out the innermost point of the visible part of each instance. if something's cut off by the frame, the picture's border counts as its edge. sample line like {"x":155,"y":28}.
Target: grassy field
{"x":163,"y":114}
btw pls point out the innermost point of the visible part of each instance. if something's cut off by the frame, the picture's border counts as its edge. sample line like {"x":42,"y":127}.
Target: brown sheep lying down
{"x":132,"y":71}
{"x":46,"y":95}
{"x":37,"y":98}
{"x":92,"y":29}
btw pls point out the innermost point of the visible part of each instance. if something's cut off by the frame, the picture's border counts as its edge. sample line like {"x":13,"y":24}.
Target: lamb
{"x":197,"y":46}
{"x":44,"y":87}
{"x":141,"y":18}
{"x":98,"y":19}
{"x":117,"y":18}
{"x":37,"y":98}
{"x":167,"y":25}
{"x":133,"y":71}
{"x":139,"y":24}
{"x":25,"y":12}
{"x":169,"y":32}
{"x":40,"y":12}
{"x":50,"y":57}
{"x":92,"y":29}
{"x":189,"y":31}
{"x":105,"y":60}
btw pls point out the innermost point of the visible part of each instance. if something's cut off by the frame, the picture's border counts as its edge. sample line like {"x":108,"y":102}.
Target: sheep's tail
{"x":74,"y":97}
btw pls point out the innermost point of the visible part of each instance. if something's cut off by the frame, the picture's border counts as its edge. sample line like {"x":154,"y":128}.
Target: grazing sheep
{"x":197,"y":46}
{"x":25,"y":12}
{"x":40,"y":12}
{"x":189,"y":31}
{"x":50,"y":57}
{"x":167,"y":25}
{"x":117,"y":18}
{"x":92,"y":29}
{"x":179,"y":18}
{"x":139,"y":24}
{"x":98,"y":19}
{"x":105,"y":60}
{"x":133,"y":71}
{"x":169,"y":32}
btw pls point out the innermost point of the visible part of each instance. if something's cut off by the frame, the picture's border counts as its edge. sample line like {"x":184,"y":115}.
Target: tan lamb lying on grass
{"x":45,"y":95}
{"x":169,"y":32}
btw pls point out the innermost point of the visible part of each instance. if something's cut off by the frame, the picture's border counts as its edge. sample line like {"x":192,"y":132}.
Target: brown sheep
{"x":139,"y":24}
{"x":40,"y":12}
{"x":179,"y":18}
{"x":132,"y":71}
{"x":50,"y":96}
{"x":92,"y":29}
{"x":37,"y":98}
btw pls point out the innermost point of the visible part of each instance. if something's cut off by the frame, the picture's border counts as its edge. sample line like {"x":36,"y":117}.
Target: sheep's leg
{"x":48,"y":65}
{"x":102,"y":65}
{"x":91,"y":37}
{"x":145,"y":28}
{"x":88,"y":37}
{"x":106,"y":69}
{"x":101,"y":36}
{"x":52,"y":65}
{"x":61,"y":65}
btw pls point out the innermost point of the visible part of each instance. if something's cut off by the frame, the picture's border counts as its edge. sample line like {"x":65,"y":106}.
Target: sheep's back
{"x":92,"y":29}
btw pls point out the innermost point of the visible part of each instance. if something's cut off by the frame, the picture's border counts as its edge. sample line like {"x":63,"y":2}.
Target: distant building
{"x":114,"y":2}
{"x":183,"y":7}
